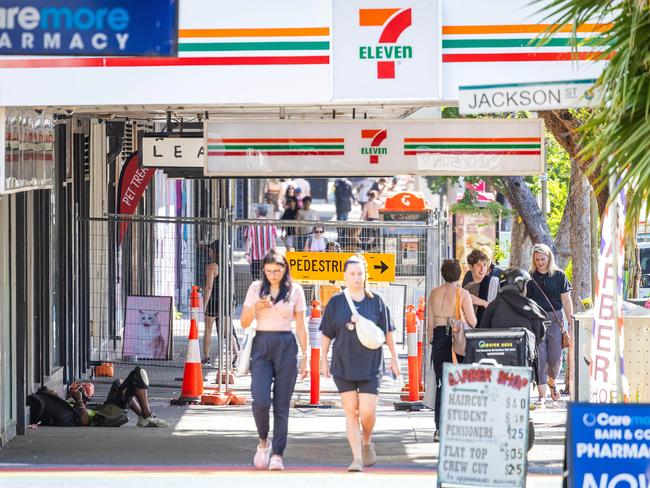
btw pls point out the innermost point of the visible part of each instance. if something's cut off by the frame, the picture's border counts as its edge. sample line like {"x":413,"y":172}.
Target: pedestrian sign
{"x":328,"y":266}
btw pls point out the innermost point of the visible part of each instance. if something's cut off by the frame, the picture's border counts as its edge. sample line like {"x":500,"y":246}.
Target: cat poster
{"x":147,"y":327}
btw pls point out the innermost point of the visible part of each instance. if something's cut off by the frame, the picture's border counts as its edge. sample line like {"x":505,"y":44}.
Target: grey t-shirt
{"x":350,"y":359}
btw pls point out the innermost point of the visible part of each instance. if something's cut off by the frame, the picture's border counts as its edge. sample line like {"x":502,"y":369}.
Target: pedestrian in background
{"x":290,"y":213}
{"x":551,"y":289}
{"x":483,"y":287}
{"x":260,"y":239}
{"x":343,"y":198}
{"x":304,"y":231}
{"x":275,"y":301}
{"x":441,"y":310}
{"x":357,"y":370}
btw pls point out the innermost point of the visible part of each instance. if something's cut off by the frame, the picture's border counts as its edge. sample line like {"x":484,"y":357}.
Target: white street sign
{"x":515,"y":97}
{"x":173,"y":152}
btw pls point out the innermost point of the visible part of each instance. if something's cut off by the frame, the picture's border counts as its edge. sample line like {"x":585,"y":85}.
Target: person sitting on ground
{"x":50,"y":409}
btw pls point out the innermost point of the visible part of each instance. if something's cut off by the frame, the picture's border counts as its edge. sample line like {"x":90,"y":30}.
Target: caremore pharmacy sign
{"x":109,"y":27}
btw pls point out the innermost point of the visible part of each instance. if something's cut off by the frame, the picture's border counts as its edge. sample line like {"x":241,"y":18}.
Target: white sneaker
{"x":151,"y":422}
{"x":262,"y":456}
{"x":276,"y":464}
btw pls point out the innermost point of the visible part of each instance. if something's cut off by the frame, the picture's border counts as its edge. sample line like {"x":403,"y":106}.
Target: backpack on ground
{"x":50,"y":409}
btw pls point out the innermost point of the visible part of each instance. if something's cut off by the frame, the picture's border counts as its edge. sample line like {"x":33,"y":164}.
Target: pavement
{"x":207,"y":444}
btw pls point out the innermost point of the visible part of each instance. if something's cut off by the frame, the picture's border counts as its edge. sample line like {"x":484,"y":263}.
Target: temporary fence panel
{"x":143,"y":317}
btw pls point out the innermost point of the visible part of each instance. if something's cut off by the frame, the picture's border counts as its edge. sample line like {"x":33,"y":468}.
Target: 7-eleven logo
{"x":394,"y":21}
{"x":376,"y":138}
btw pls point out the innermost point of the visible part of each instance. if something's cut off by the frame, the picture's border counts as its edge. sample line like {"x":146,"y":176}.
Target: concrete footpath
{"x":208,"y":444}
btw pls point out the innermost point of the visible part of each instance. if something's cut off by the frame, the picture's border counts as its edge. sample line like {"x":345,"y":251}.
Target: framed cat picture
{"x":147,"y":327}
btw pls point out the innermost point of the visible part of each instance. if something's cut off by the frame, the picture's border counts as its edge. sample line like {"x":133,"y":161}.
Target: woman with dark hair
{"x":357,"y":370}
{"x":443,"y":303}
{"x":275,"y":301}
{"x":211,"y":300}
{"x":290,"y":213}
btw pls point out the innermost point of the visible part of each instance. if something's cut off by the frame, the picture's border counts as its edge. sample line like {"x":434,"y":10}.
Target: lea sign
{"x":173,"y":152}
{"x":514,"y":97}
{"x":90,"y":28}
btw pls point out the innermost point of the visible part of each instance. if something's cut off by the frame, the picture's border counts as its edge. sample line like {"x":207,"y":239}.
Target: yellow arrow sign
{"x":328,"y":266}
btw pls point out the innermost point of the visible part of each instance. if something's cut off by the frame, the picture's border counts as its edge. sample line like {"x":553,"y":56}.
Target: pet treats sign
{"x":147,"y":327}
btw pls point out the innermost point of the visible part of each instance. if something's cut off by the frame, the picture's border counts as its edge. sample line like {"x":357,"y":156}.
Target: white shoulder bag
{"x":244,"y":360}
{"x":369,"y":333}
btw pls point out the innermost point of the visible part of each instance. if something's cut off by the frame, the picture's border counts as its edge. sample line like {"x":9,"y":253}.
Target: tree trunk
{"x":563,"y":125}
{"x":521,"y":248}
{"x":524,"y":202}
{"x":580,"y":235}
{"x":562,"y":240}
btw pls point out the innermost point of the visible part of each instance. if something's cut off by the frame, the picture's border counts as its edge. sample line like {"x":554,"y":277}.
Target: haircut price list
{"x":484,"y":425}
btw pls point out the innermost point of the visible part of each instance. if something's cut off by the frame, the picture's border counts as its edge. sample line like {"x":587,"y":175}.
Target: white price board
{"x":484,"y":431}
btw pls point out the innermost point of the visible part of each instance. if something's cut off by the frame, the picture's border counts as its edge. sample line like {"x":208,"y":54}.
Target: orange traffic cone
{"x":193,"y":375}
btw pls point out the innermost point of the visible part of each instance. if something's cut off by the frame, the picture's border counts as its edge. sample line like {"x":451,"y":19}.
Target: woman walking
{"x":551,"y":289}
{"x":275,"y":301}
{"x":357,"y":370}
{"x":442,"y":308}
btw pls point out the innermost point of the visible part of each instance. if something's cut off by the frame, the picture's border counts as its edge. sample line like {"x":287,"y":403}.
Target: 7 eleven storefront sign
{"x":385,"y":49}
{"x":374,"y":147}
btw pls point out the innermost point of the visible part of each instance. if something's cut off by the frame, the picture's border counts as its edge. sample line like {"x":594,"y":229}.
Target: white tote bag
{"x":369,"y":333}
{"x":244,"y":360}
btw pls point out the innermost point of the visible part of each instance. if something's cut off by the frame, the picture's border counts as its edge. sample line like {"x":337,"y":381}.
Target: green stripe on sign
{"x":472,"y":146}
{"x":253,"y":46}
{"x":555,"y":42}
{"x":264,"y":147}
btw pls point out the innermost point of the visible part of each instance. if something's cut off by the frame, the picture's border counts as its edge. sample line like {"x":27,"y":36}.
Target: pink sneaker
{"x":262,"y":456}
{"x":276,"y":464}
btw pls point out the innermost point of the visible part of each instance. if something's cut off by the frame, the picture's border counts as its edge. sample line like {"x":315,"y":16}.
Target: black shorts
{"x":370,"y":386}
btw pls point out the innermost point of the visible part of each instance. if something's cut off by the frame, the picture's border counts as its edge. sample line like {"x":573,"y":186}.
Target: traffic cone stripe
{"x":193,"y":354}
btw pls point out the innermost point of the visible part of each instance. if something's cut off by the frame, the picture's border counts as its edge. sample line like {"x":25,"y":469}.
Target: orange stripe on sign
{"x":472,"y":139}
{"x":368,"y":133}
{"x":274,"y":140}
{"x":268,"y":32}
{"x":520,"y":28}
{"x":375,"y":16}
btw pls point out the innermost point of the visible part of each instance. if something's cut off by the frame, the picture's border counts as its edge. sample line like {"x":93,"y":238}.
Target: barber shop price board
{"x":484,"y":425}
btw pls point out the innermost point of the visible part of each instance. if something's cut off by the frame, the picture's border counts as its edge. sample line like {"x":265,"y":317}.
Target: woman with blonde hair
{"x":551,"y":289}
{"x":357,"y":370}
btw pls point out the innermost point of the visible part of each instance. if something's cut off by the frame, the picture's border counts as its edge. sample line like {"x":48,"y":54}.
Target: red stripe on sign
{"x":276,"y":153}
{"x":274,"y":140}
{"x":514,"y":57}
{"x":153,"y":62}
{"x":433,"y":151}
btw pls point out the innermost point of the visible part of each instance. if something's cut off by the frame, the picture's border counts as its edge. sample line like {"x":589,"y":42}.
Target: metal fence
{"x":140,"y":285}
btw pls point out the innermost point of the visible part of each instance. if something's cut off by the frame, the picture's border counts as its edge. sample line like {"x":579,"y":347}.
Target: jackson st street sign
{"x":514,"y":97}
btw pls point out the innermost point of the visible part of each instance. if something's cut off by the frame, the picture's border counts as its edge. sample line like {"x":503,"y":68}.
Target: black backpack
{"x":50,"y":409}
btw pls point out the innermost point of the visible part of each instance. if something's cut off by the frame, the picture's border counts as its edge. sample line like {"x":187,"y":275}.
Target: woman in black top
{"x":290,"y":213}
{"x":357,"y":370}
{"x":551,"y":289}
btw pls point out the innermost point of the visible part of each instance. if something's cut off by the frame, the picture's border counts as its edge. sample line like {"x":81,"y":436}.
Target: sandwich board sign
{"x":484,"y":435}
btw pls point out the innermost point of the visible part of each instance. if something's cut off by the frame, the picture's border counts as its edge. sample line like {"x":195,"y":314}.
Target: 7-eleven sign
{"x":386,"y":50}
{"x":393,"y":21}
{"x":376,"y":138}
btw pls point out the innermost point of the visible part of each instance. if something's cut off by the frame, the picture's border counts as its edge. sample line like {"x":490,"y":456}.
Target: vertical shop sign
{"x":132,"y":184}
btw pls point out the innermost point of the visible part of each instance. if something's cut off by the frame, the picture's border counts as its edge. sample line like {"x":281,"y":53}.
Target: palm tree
{"x":616,"y":137}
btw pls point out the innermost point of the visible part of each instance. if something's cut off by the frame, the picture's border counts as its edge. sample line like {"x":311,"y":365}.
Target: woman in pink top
{"x":275,"y":301}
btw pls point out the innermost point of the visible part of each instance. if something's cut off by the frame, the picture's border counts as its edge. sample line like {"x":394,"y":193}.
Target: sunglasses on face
{"x":318,"y":231}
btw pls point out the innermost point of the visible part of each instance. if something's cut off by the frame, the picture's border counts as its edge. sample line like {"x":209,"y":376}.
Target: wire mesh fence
{"x":140,"y":286}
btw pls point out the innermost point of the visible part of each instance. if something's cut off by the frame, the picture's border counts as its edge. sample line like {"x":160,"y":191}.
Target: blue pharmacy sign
{"x":89,"y":28}
{"x":608,"y":445}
